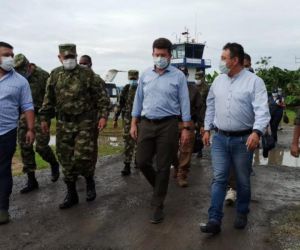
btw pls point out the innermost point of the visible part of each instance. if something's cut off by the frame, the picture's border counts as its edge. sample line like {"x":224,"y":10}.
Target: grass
{"x":291,"y":115}
{"x":105,"y":147}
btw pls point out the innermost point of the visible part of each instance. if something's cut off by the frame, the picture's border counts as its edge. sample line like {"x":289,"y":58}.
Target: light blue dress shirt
{"x":237,"y":103}
{"x":159,"y":96}
{"x":15,"y":96}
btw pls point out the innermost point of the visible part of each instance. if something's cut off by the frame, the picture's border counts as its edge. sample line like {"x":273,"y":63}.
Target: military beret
{"x":20,"y":61}
{"x":200,"y":74}
{"x":133,"y":74}
{"x":67,"y":49}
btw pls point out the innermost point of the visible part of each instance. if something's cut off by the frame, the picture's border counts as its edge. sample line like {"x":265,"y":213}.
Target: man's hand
{"x":202,"y":131}
{"x":134,"y":131}
{"x":30,"y":136}
{"x":44,"y":127}
{"x":102,"y":123}
{"x":185,"y":137}
{"x":206,"y":138}
{"x":252,"y":141}
{"x":115,"y":124}
{"x":295,"y":150}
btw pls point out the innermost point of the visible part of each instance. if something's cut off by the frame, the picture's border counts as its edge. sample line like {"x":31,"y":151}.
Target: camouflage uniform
{"x":77,"y":98}
{"x":121,"y":107}
{"x":126,"y":103}
{"x":203,"y":90}
{"x":37,"y":81}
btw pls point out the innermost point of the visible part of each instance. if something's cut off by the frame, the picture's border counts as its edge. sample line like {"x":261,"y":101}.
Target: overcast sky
{"x":119,"y":34}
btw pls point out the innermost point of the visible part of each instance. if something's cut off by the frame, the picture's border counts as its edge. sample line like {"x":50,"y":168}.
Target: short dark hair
{"x":162,"y":43}
{"x":247,"y":57}
{"x":6,"y":45}
{"x":87,"y":58}
{"x":236,"y":50}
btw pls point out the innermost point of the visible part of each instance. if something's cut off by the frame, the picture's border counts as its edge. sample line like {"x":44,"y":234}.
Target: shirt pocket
{"x":10,"y":92}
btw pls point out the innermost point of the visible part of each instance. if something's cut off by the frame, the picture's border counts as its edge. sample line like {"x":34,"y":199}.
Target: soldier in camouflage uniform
{"x":121,"y":106}
{"x":203,"y":90}
{"x":37,"y":79}
{"x":126,"y":106}
{"x":77,"y":98}
{"x":86,"y":61}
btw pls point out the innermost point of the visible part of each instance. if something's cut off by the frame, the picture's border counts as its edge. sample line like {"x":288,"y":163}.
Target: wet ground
{"x":118,"y":218}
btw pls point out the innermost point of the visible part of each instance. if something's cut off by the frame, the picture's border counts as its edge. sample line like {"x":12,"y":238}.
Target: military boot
{"x":90,"y":188}
{"x":126,"y":171}
{"x":54,"y":172}
{"x":32,"y":183}
{"x":71,"y":198}
{"x":4,"y":217}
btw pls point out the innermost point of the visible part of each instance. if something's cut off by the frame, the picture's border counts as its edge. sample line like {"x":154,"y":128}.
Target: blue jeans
{"x":7,"y":150}
{"x":230,"y":151}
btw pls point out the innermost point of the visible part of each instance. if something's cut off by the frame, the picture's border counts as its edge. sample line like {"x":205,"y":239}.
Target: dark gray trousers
{"x":158,"y":138}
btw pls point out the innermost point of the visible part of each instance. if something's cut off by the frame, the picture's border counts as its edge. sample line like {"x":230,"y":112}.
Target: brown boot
{"x":182,"y":182}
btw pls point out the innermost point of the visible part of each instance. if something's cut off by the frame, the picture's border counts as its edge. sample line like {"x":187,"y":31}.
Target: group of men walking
{"x":162,"y":110}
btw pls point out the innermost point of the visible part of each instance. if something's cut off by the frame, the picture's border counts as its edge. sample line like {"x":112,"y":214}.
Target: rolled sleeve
{"x":184,"y":100}
{"x":138,"y":100}
{"x":210,"y":109}
{"x":26,"y":103}
{"x":260,"y":106}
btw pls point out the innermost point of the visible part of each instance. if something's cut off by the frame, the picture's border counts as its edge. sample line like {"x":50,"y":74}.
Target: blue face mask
{"x":160,"y":62}
{"x":133,"y":82}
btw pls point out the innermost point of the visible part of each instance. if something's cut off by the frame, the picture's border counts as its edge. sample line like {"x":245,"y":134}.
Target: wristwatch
{"x":187,"y":128}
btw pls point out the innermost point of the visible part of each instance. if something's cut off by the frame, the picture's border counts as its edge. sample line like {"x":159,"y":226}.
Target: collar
{"x":237,"y":75}
{"x":8,"y":74}
{"x":167,"y":69}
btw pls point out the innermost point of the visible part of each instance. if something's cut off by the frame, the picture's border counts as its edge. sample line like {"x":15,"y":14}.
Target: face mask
{"x":160,"y":62}
{"x":274,"y":94}
{"x":223,"y":68}
{"x":198,"y":82}
{"x":7,"y":63}
{"x":69,"y":64}
{"x":84,"y":65}
{"x":133,"y":82}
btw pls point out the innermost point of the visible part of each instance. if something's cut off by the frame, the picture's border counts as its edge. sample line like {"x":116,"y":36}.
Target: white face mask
{"x":198,"y":82}
{"x":223,"y":68}
{"x":160,"y":62}
{"x":69,"y":64}
{"x":7,"y":63}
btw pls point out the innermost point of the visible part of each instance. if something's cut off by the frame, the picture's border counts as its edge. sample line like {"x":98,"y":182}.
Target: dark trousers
{"x":274,"y":122}
{"x":7,"y":150}
{"x":158,"y":138}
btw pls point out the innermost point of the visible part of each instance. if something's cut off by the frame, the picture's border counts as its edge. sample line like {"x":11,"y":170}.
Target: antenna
{"x":186,"y":34}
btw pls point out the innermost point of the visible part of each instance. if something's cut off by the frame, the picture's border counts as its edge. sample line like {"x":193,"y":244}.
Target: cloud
{"x":119,"y":34}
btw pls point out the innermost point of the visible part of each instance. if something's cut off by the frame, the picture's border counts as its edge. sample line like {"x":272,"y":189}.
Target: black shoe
{"x":157,"y":215}
{"x":54,"y":172}
{"x":210,"y":227}
{"x":71,"y":198}
{"x":90,"y":189}
{"x":200,"y":155}
{"x":240,"y":221}
{"x":126,"y":171}
{"x":32,"y":183}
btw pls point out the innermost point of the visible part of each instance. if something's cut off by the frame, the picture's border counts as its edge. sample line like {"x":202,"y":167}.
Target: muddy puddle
{"x":277,"y":157}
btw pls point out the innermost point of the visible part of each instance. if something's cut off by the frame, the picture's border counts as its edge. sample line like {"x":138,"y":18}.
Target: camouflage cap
{"x":133,"y":74}
{"x":67,"y":49}
{"x":199,"y":75}
{"x":20,"y":61}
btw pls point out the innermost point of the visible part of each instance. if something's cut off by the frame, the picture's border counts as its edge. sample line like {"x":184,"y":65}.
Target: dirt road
{"x":118,"y":218}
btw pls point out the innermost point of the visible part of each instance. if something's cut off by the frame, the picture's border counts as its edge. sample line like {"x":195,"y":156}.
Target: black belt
{"x":161,"y":119}
{"x":234,"y":133}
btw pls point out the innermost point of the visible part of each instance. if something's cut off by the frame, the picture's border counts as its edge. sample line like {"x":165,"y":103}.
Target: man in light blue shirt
{"x":237,"y":108}
{"x":15,"y":98}
{"x":161,"y":99}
